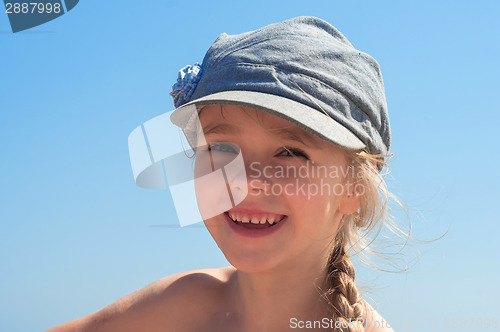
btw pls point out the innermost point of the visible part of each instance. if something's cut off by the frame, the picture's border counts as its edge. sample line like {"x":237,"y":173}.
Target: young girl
{"x":290,"y":131}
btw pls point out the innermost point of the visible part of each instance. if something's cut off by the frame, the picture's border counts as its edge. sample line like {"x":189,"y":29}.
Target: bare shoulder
{"x":179,"y":302}
{"x":373,"y":321}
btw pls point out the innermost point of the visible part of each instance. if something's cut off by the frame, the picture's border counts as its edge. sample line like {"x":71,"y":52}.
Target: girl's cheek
{"x":212,"y":225}
{"x":307,"y":186}
{"x":213,"y":195}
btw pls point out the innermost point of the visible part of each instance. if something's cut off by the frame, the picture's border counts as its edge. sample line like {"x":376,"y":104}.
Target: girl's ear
{"x":350,"y":203}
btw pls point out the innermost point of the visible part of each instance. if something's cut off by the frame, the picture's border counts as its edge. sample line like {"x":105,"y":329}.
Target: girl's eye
{"x":223,"y":147}
{"x":292,"y":152}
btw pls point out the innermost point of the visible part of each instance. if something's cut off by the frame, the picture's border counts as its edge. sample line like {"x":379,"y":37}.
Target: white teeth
{"x":253,"y":220}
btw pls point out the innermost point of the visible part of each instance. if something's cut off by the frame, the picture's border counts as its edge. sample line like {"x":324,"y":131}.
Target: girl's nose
{"x":256,"y":180}
{"x":245,"y":178}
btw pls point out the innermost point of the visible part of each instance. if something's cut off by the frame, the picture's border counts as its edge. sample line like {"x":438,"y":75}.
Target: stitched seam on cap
{"x":282,"y":37}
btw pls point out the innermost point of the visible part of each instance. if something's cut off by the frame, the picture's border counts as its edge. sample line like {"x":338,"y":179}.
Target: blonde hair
{"x":342,"y":294}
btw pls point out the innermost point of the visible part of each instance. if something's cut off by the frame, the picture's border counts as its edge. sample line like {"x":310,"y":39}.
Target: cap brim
{"x":303,"y":116}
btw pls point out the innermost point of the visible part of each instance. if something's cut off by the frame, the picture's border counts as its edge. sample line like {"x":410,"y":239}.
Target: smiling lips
{"x":254,"y":219}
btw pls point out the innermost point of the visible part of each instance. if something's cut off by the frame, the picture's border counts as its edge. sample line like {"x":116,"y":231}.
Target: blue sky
{"x":76,"y":233}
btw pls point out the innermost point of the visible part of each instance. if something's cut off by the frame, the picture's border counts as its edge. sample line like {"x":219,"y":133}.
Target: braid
{"x":342,"y":294}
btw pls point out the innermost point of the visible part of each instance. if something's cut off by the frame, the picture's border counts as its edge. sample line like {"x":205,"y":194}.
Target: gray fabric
{"x":303,"y":70}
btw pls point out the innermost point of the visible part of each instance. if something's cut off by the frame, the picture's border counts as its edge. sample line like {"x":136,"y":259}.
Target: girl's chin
{"x":250,"y":261}
{"x":252,"y":267}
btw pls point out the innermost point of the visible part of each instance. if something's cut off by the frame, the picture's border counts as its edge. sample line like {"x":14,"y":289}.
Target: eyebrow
{"x":303,"y":138}
{"x":221,"y":128}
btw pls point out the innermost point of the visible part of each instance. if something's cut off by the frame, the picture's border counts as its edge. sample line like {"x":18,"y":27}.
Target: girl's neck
{"x":269,"y":300}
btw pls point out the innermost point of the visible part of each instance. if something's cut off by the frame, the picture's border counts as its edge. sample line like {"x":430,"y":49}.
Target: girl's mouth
{"x":255,"y":221}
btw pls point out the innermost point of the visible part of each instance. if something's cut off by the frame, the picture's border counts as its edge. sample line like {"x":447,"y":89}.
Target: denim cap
{"x":302,"y":70}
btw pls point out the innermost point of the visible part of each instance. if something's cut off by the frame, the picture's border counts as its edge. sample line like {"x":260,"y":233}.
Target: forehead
{"x":232,"y":118}
{"x":235,"y":114}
